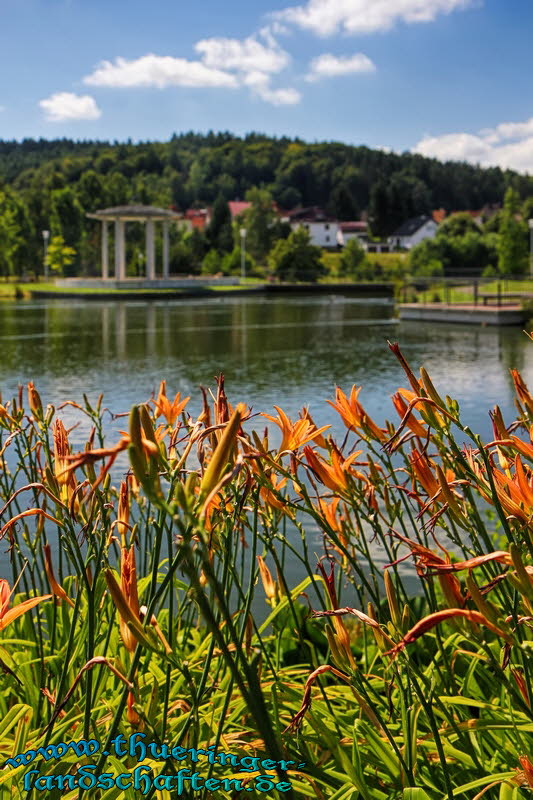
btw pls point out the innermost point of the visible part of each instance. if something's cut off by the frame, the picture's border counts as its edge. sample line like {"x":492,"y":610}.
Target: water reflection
{"x":289,"y":351}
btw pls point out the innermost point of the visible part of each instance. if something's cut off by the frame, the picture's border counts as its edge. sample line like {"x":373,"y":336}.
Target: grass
{"x":152,"y":597}
{"x":384,"y":266}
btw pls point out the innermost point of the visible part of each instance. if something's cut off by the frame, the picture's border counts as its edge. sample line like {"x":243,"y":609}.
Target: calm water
{"x":285,"y":351}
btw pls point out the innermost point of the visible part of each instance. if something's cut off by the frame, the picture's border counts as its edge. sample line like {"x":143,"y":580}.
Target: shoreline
{"x":385,"y":290}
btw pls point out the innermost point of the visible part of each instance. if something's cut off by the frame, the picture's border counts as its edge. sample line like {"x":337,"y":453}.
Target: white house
{"x":323,"y":230}
{"x":413,"y":232}
{"x":352,"y":230}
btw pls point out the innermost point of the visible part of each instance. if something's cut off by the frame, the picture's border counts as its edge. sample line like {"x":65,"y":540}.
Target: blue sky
{"x":448,"y":78}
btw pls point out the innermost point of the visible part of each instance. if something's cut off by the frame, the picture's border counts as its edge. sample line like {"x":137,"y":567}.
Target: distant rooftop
{"x":347,"y":227}
{"x":310,"y":214}
{"x":237,"y":207}
{"x":411,"y":226}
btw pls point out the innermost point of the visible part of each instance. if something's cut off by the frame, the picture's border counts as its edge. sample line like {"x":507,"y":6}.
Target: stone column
{"x":165,"y":250}
{"x":120,"y":251}
{"x":150,"y":250}
{"x":105,"y":251}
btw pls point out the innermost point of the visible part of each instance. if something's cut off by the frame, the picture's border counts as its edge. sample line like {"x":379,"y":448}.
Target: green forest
{"x":51,"y":184}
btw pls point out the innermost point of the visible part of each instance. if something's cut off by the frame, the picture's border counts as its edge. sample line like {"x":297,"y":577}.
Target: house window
{"x":327,"y":227}
{"x":327,"y":238}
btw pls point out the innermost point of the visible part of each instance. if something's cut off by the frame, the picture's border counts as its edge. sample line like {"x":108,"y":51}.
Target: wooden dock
{"x":464,"y":313}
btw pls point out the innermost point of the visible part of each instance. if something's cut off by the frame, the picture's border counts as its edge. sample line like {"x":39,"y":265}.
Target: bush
{"x":353,"y":261}
{"x":231,"y":263}
{"x":296,"y":259}
{"x":211,"y":263}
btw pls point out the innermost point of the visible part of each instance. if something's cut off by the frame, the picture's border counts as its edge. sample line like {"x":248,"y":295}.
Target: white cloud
{"x":224,"y":63}
{"x":259,"y":83}
{"x":244,"y":55}
{"x":329,"y":66}
{"x":509,"y":130}
{"x":508,"y":145}
{"x":159,"y":72}
{"x":65,"y":106}
{"x":325,"y":17}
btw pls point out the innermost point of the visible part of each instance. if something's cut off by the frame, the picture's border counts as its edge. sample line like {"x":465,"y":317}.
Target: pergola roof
{"x":134,"y":213}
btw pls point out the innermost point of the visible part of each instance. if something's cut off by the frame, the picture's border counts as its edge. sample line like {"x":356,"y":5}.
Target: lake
{"x":289,"y":351}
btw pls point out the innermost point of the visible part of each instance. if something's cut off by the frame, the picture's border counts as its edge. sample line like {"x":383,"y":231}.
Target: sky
{"x":446,"y":78}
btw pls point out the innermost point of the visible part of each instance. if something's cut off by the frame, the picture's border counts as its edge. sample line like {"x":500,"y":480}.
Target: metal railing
{"x":499,"y":291}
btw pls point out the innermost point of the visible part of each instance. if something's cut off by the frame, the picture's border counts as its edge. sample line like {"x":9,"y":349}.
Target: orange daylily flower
{"x":167,"y":409}
{"x":269,"y":584}
{"x":422,"y":468}
{"x":522,"y":391}
{"x":335,"y":475}
{"x":427,"y":562}
{"x":64,"y":477}
{"x":8,"y":615}
{"x":501,"y":556}
{"x":329,"y":511}
{"x":515,"y":493}
{"x":56,"y":587}
{"x":436,"y":618}
{"x":353,"y":414}
{"x":295,"y":434}
{"x":526,"y":774}
{"x":435,"y":481}
{"x":123,"y":513}
{"x":318,"y":439}
{"x":128,"y":585}
{"x":398,"y":400}
{"x":270,"y":498}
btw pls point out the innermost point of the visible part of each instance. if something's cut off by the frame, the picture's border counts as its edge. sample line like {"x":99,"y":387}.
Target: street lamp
{"x":530,"y":223}
{"x":46,"y":236}
{"x":243,"y":253}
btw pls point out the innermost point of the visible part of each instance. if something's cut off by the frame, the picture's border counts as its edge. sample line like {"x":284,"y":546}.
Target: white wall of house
{"x":426,"y":231}
{"x":343,"y":237}
{"x":322,"y":234}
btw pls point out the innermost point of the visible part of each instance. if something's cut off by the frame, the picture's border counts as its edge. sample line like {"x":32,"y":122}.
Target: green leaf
{"x":12,"y":717}
{"x":499,"y":776}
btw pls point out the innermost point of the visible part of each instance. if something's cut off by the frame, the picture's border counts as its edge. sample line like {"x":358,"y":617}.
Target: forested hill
{"x":193,"y":169}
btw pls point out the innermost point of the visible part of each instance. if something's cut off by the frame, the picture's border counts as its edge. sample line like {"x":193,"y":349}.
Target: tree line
{"x":52,"y":184}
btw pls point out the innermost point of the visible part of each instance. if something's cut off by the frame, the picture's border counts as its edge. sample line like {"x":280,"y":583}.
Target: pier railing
{"x":508,"y":290}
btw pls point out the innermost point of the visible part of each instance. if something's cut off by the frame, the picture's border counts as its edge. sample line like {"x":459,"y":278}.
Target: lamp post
{"x":46,"y":236}
{"x":530,"y":223}
{"x":243,"y":253}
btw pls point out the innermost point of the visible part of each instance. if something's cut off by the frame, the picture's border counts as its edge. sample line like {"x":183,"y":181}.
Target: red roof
{"x":438,"y":215}
{"x":197,"y":217}
{"x":355,"y":227}
{"x":237,"y":207}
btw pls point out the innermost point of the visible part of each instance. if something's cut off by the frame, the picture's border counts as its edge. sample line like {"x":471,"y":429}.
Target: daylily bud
{"x":378,"y":636}
{"x":222,"y":453}
{"x":269,"y":584}
{"x":34,"y":401}
{"x":392,"y":600}
{"x":131,"y":715}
